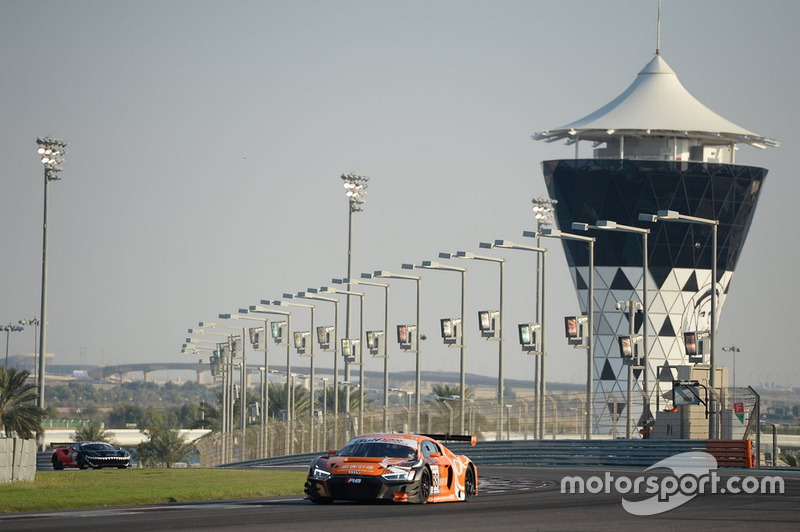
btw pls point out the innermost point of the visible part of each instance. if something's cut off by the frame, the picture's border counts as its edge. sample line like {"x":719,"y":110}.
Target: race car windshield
{"x":378,"y":450}
{"x":98,"y":447}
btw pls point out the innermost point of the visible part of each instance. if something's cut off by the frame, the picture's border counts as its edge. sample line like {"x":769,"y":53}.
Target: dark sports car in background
{"x":92,"y":454}
{"x":393,"y":467}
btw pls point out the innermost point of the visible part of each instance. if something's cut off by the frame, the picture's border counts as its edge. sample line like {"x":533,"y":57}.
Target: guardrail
{"x":630,"y":453}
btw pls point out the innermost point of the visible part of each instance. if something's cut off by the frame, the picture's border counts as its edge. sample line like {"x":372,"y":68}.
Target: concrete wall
{"x":17,"y":460}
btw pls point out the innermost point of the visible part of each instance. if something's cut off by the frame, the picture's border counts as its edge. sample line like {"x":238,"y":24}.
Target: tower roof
{"x":656,"y":104}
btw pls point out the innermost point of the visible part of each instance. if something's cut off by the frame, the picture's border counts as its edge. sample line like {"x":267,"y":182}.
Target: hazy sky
{"x":207,"y":139}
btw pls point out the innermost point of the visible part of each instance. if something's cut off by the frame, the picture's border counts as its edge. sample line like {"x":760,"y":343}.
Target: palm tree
{"x":93,"y":431}
{"x":164,"y":447}
{"x":18,"y":411}
{"x":277,"y":400}
{"x":445,"y":391}
{"x":328,"y":394}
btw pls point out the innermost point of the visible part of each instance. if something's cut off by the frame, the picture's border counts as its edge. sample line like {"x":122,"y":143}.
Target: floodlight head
{"x":407,"y":266}
{"x":288,"y":296}
{"x":605,"y":224}
{"x":367,"y":275}
{"x":669,"y":215}
{"x":206,"y":324}
{"x":340,"y":281}
{"x":580,"y":226}
{"x":381,"y":273}
{"x":644,"y":217}
{"x":443,"y":255}
{"x":244,"y":311}
{"x":464,"y":255}
{"x":485,"y":245}
{"x":224,"y":316}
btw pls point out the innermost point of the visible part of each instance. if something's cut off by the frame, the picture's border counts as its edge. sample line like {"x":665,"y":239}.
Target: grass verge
{"x":58,"y":490}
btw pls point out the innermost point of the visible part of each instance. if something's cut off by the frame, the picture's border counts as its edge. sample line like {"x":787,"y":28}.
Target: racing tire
{"x":82,"y":463}
{"x":57,"y":464}
{"x":313,"y":496}
{"x":470,"y":487}
{"x":424,"y":486}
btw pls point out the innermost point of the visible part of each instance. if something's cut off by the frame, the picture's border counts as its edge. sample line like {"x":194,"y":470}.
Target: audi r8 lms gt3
{"x":94,"y":454}
{"x":393,"y":467}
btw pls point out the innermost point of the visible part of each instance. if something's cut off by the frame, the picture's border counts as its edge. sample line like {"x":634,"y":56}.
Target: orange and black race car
{"x":393,"y":467}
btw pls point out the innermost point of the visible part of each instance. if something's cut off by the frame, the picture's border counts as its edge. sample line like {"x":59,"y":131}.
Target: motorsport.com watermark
{"x":693,"y":473}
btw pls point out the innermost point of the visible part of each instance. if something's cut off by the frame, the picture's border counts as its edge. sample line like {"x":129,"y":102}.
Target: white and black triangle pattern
{"x":683,"y":303}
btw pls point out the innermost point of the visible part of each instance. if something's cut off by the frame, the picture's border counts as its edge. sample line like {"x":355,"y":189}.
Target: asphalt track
{"x":520,"y":499}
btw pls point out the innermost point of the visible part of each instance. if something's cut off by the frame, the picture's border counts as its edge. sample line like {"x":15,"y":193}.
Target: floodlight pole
{"x":590,"y":318}
{"x":51,"y":151}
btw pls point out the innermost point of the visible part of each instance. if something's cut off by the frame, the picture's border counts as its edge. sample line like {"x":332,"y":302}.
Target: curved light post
{"x":8,"y":330}
{"x":311,"y":293}
{"x":265,"y":376}
{"x":500,"y":377}
{"x":312,"y":384}
{"x":733,"y":349}
{"x":35,"y":322}
{"x":431,"y":265}
{"x":383,"y":274}
{"x":51,"y":151}
{"x":610,"y":225}
{"x":385,"y":287}
{"x":674,"y":216}
{"x":540,"y":314}
{"x":242,"y":379}
{"x":347,"y":362}
{"x":555,"y":233}
{"x":289,"y":416}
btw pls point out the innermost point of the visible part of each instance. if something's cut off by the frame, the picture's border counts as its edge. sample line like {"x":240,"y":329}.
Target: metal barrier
{"x":628,"y":453}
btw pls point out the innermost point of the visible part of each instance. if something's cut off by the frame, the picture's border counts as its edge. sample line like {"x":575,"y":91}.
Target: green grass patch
{"x":57,"y":490}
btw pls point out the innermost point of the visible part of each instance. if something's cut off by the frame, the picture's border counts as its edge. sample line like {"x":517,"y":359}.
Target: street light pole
{"x":382,"y":274}
{"x":500,"y":376}
{"x":35,"y":322}
{"x":265,"y":381}
{"x":311,"y":293}
{"x":430,"y":265}
{"x":385,"y":287}
{"x":674,"y":216}
{"x":554,"y":233}
{"x":732,"y":349}
{"x":288,"y":315}
{"x":51,"y":151}
{"x":347,"y":362}
{"x":8,"y":330}
{"x":609,"y":225}
{"x":540,"y":313}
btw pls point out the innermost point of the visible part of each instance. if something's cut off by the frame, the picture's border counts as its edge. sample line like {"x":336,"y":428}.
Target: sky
{"x":207,"y":140}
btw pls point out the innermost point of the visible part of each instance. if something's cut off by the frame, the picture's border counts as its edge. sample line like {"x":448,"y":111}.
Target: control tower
{"x":654,"y":148}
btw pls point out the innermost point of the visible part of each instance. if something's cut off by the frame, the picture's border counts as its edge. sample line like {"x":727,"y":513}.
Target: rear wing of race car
{"x":472,"y":439}
{"x":61,"y":445}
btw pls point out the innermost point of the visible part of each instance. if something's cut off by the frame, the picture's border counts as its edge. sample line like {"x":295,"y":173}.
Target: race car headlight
{"x":398,"y":475}
{"x":320,"y":474}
